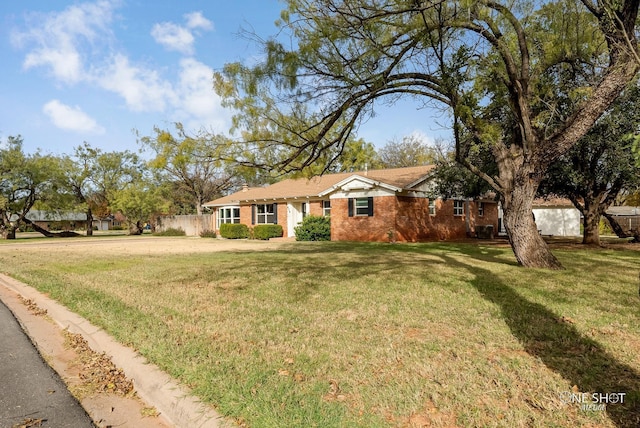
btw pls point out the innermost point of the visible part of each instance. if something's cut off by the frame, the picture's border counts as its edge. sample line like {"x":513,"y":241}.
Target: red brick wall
{"x":315,"y":208}
{"x":245,"y":215}
{"x":282,"y":217}
{"x":407,"y":219}
{"x":363,"y":228}
{"x":414,"y":223}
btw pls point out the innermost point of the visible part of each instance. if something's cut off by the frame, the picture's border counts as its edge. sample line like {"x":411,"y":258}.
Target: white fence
{"x":192,"y":225}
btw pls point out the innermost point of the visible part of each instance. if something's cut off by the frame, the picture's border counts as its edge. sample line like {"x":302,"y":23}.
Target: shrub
{"x":208,"y":234}
{"x":171,"y":232}
{"x":234,"y":231}
{"x":314,"y":228}
{"x":266,"y":231}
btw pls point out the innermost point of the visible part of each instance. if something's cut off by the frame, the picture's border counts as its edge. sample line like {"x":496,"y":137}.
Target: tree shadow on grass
{"x":560,"y":346}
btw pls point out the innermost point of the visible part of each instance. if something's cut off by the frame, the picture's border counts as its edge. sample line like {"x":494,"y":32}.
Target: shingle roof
{"x":552,"y":201}
{"x":312,"y":187}
{"x":624,"y":210}
{"x":37,"y":215}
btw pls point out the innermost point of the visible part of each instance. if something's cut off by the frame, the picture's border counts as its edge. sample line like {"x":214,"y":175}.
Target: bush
{"x":208,"y":234}
{"x":314,"y":228}
{"x":234,"y":231}
{"x":171,"y":232}
{"x":266,"y":231}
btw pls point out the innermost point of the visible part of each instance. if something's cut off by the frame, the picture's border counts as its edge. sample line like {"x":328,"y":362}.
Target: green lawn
{"x":369,"y":335}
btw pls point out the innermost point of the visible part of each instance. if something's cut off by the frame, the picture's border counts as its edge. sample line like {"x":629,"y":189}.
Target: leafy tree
{"x":24,"y":180}
{"x":452,"y":180}
{"x":355,"y":155}
{"x":190,"y":165}
{"x":632,"y":199}
{"x":600,"y":167}
{"x":501,"y":69}
{"x":139,"y":202}
{"x":110,"y":173}
{"x":409,"y":151}
{"x":77,"y":180}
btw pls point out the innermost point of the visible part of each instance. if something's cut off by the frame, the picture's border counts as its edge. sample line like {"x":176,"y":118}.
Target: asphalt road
{"x":30,"y":391}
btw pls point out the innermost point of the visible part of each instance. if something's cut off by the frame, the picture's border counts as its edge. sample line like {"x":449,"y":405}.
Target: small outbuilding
{"x":556,"y":217}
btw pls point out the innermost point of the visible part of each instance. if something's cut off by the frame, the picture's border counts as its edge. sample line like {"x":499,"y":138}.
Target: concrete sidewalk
{"x":30,"y":391}
{"x":174,"y":403}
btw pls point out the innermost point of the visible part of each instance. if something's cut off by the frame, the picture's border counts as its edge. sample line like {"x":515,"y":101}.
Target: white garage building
{"x":556,"y":217}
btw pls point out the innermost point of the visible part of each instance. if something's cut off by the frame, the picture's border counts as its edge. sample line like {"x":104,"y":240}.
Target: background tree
{"x":355,"y":155}
{"x":409,"y":151}
{"x":110,"y":173}
{"x":189,"y":164}
{"x":77,"y":178}
{"x":494,"y":66}
{"x":139,"y":202}
{"x":600,"y":167}
{"x":24,"y":180}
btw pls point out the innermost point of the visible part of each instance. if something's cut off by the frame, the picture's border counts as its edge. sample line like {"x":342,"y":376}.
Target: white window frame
{"x":480,"y":209}
{"x":326,"y":208}
{"x":227,"y":215}
{"x":432,"y":207}
{"x":266,"y":215}
{"x":458,"y":207}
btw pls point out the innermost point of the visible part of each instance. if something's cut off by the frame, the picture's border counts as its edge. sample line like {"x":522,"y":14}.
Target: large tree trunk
{"x":622,"y":232}
{"x":48,"y":234}
{"x":136,"y":228}
{"x":89,"y":222}
{"x":591,"y":223}
{"x":39,"y":229}
{"x":527,"y":244}
{"x":9,"y":233}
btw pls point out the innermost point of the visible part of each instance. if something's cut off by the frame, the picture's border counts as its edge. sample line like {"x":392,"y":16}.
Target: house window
{"x":228,"y":215}
{"x":361,"y":207}
{"x":458,"y":208}
{"x":432,"y":207}
{"x":265,"y":214}
{"x":480,"y":209}
{"x":326,"y":208}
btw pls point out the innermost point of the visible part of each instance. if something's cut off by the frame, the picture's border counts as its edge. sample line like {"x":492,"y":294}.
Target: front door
{"x":295,"y":214}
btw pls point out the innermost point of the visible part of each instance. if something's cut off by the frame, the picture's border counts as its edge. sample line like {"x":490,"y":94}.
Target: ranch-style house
{"x":375,"y":205}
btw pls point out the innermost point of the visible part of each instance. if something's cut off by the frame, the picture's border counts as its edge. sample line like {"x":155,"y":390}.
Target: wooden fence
{"x":193,"y":225}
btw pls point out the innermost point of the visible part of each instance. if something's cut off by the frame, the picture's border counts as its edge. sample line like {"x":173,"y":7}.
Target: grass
{"x":368,"y":335}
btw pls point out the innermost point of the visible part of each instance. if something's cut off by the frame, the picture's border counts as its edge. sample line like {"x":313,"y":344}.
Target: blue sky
{"x":94,"y":71}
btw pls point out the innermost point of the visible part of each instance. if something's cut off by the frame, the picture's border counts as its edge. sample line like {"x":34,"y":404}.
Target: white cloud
{"x":197,"y":20}
{"x":196,"y":101}
{"x":55,"y":40}
{"x":76,"y":45}
{"x":142,"y":89}
{"x":173,"y":37}
{"x":178,"y":38}
{"x":71,"y":118}
{"x":420,"y":135}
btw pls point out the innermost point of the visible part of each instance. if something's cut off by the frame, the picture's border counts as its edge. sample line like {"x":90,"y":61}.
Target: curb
{"x":174,"y":401}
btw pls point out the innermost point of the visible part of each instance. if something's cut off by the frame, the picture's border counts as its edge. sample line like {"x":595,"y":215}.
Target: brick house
{"x":375,"y":205}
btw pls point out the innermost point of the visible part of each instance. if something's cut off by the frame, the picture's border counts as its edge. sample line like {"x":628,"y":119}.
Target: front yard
{"x":370,"y":335}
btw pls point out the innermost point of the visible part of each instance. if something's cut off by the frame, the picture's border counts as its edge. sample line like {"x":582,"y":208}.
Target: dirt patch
{"x":136,"y":245}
